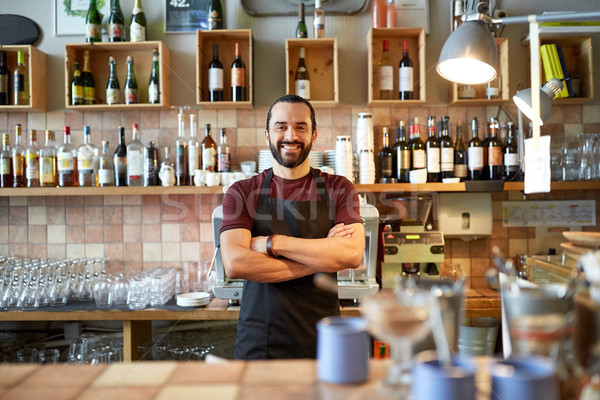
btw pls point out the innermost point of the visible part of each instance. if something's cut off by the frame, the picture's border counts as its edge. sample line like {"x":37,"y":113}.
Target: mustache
{"x":284,"y":142}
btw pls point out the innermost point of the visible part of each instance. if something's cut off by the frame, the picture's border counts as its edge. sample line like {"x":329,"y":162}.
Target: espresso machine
{"x":353,"y":284}
{"x":410,"y":246}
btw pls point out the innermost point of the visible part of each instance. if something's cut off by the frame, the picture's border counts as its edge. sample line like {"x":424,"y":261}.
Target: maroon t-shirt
{"x":241,"y":199}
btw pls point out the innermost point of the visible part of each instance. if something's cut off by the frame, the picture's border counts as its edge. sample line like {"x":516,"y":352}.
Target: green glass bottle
{"x":113,"y":88}
{"x":116,"y":23}
{"x":214,"y":15}
{"x":77,"y":86}
{"x":154,"y":84}
{"x":89,"y":87}
{"x":20,"y":81}
{"x":131,"y":86}
{"x":93,"y":23}
{"x":301,"y":30}
{"x":137,"y":29}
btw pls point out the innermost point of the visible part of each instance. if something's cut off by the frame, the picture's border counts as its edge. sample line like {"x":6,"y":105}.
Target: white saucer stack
{"x":193,"y":299}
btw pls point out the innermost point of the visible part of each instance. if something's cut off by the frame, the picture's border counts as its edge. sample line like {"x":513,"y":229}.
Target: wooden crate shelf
{"x":395,"y":38}
{"x":35,"y":62}
{"x":141,"y":52}
{"x":322,"y":64}
{"x":226,"y":39}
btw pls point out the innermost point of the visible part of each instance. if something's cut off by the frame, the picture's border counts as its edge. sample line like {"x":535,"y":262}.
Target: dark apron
{"x":278,"y":320}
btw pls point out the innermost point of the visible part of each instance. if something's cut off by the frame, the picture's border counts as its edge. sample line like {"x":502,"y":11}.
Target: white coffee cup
{"x":212,"y":178}
{"x":248,"y":166}
{"x":227,"y":178}
{"x":199,"y":177}
{"x":238,"y":176}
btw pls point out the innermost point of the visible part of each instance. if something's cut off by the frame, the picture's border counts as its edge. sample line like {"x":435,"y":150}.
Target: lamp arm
{"x":525,"y":19}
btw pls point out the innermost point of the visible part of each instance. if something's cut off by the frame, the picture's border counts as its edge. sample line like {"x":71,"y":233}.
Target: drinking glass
{"x":103,"y":294}
{"x":120,"y":290}
{"x":570,"y":160}
{"x":586,"y":164}
{"x":78,"y":351}
{"x":49,"y":356}
{"x":27,"y":355}
{"x":138,"y":293}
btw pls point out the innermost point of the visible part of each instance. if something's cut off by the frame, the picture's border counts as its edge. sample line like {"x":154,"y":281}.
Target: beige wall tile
{"x":4,"y":235}
{"x":94,"y":249}
{"x":517,"y":246}
{"x":171,"y":251}
{"x":55,"y":121}
{"x":57,"y":234}
{"x":113,"y":200}
{"x":132,"y":233}
{"x":132,"y":200}
{"x":18,"y":234}
{"x":76,"y":250}
{"x":591,"y":113}
{"x":171,"y":233}
{"x":152,"y":251}
{"x":207,"y":116}
{"x":4,"y":249}
{"x":57,"y":250}
{"x":132,"y":215}
{"x":55,"y":215}
{"x":226,"y":119}
{"x":17,"y":201}
{"x":246,"y":137}
{"x":36,"y":121}
{"x":37,"y":215}
{"x":572,"y":130}
{"x":190,"y":251}
{"x":37,"y":234}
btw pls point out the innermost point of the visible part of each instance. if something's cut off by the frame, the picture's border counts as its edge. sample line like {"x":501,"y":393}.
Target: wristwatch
{"x":270,"y":248}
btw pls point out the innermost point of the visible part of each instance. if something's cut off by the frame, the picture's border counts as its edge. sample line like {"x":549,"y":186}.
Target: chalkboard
{"x":185,"y":15}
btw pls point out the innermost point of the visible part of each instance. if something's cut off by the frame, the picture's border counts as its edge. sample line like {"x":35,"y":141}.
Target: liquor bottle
{"x":113,"y":88}
{"x":492,"y":88}
{"x":318,"y":20}
{"x":32,"y":161}
{"x":86,"y":160}
{"x":18,"y":161}
{"x":120,"y":160}
{"x":48,"y":163}
{"x":193,"y":150}
{"x":167,"y":169}
{"x":401,"y":152}
{"x":385,"y":157}
{"x":446,"y":149}
{"x":135,"y":159}
{"x":4,"y":81}
{"x":475,"y":154}
{"x":457,"y":15}
{"x":89,"y":87}
{"x":181,"y":155}
{"x":223,"y":153}
{"x":151,"y":165}
{"x":460,"y":155}
{"x":116,"y":23}
{"x":511,"y":155}
{"x":66,"y":157}
{"x":417,"y":147}
{"x":77,"y":86}
{"x":106,"y":176}
{"x":378,"y":13}
{"x":137,"y":28}
{"x":484,"y":143}
{"x":209,"y":151}
{"x":154,"y":83}
{"x":238,"y":76}
{"x":302,"y":80}
{"x":301,"y":31}
{"x":494,"y":150}
{"x":6,"y":173}
{"x":93,"y":23}
{"x":20,"y":82}
{"x":386,"y":73}
{"x":390,"y":15}
{"x":131,"y":87}
{"x":405,"y":75}
{"x":215,"y":76}
{"x":214,"y":15}
{"x":432,"y":150}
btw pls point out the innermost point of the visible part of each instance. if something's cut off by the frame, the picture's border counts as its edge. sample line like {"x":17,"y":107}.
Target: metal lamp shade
{"x":470,"y":55}
{"x":547,"y":92}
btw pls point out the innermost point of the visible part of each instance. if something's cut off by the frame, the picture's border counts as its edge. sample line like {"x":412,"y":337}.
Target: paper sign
{"x":537,"y":165}
{"x":413,"y":14}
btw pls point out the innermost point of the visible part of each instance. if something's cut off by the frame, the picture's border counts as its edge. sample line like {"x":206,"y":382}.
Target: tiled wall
{"x":145,"y":231}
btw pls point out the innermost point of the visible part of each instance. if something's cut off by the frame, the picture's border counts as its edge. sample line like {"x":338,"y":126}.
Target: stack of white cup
{"x":365,"y":148}
{"x":343,"y":157}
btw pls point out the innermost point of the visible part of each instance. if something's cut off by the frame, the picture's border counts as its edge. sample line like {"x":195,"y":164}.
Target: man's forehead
{"x":289,"y":112}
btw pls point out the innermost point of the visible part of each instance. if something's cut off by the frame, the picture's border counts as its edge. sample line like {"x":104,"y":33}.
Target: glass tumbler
{"x":138,"y":293}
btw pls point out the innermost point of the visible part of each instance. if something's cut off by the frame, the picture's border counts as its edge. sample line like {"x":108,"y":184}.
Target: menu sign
{"x":185,"y":15}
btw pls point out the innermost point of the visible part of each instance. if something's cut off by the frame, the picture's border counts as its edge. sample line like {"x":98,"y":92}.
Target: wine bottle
{"x":401,"y":152}
{"x":390,"y":15}
{"x":66,"y":161}
{"x":116,"y":23}
{"x":89,"y":87}
{"x":32,"y":161}
{"x":484,"y":143}
{"x":135,"y":159}
{"x":495,"y":152}
{"x":154,"y":83}
{"x":417,"y":147}
{"x":93,"y":23}
{"x":432,"y":150}
{"x":385,"y":158}
{"x":511,"y":155}
{"x":6,"y":172}
{"x":460,"y":155}
{"x":446,"y":149}
{"x":20,"y":82}
{"x":86,"y":160}
{"x":214,"y":15}
{"x":457,"y":15}
{"x":4,"y":80}
{"x":151,"y":165}
{"x":77,"y":98}
{"x":238,"y":76}
{"x":301,"y":31}
{"x":106,"y":176}
{"x":318,"y":20}
{"x":181,"y":154}
{"x":137,"y":28}
{"x":48,"y":162}
{"x":386,"y":73}
{"x":215,"y":76}
{"x":475,"y":153}
{"x":113,"y":88}
{"x":378,"y":13}
{"x":209,"y":151}
{"x":302,"y":80}
{"x":405,"y":75}
{"x":193,"y":150}
{"x":131,"y":86}
{"x":167,"y":169}
{"x":223,"y":153}
{"x":120,"y":160}
{"x":18,"y":162}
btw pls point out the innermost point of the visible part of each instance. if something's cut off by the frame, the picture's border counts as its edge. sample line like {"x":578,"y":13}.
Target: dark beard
{"x":289,"y":163}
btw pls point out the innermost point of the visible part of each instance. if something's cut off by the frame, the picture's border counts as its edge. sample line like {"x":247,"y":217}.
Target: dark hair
{"x":293,"y":98}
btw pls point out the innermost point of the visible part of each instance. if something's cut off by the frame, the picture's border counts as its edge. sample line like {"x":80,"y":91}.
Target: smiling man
{"x":279,"y":229}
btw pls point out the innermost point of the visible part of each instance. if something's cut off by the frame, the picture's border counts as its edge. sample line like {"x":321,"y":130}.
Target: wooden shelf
{"x":35,"y":62}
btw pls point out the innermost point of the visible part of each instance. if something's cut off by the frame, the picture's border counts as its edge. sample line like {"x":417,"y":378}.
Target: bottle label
{"x":77,"y":95}
{"x":47,"y":170}
{"x":134,"y":164}
{"x":238,"y":77}
{"x":319,"y":22}
{"x":495,"y":156}
{"x":224,"y":162}
{"x":105,"y":176}
{"x":153,"y":93}
{"x":93,"y":31}
{"x":215,"y":79}
{"x":116,"y":32}
{"x":209,"y":158}
{"x":404,"y":158}
{"x":386,"y":77}
{"x":17,"y":163}
{"x":192,"y":159}
{"x":386,"y":167}
{"x":475,"y":156}
{"x":418,"y":159}
{"x":65,"y":161}
{"x":405,"y":79}
{"x":89,"y":94}
{"x":511,"y":159}
{"x":131,"y":96}
{"x":19,"y":83}
{"x":491,"y":91}
{"x":460,"y":170}
{"x":137,"y":31}
{"x":113,"y":96}
{"x":303,"y":88}
{"x":5,"y":166}
{"x":433,"y":160}
{"x":85,"y":157}
{"x":32,"y":166}
{"x":180,"y":161}
{"x":447,"y":163}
